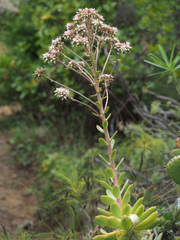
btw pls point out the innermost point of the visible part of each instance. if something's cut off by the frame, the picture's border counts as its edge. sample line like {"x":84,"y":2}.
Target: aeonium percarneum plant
{"x":89,"y":34}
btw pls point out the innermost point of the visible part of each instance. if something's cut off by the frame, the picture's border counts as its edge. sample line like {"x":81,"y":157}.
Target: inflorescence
{"x":62,"y":93}
{"x":88,"y":31}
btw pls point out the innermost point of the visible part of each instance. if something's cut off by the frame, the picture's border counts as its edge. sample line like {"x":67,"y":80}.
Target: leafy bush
{"x":170,"y":223}
{"x":30,"y":145}
{"x":144,"y":151}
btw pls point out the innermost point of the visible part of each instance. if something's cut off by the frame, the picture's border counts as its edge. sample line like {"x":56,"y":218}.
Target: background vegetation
{"x":59,"y":138}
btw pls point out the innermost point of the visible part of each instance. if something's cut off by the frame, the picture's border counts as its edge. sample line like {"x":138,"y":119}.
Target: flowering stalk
{"x":89,"y":32}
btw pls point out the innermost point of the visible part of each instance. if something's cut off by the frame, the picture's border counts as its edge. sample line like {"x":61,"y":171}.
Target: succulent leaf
{"x":130,"y":188}
{"x":109,"y":193}
{"x":173,"y":169}
{"x":106,"y":199}
{"x":116,"y":191}
{"x":126,"y":209}
{"x":143,"y":233}
{"x":147,"y":213}
{"x":139,"y":211}
{"x":120,"y":234}
{"x":104,"y":212}
{"x":124,"y":186}
{"x":100,"y":237}
{"x":101,"y":220}
{"x":99,"y":129}
{"x":119,"y":164}
{"x":109,"y":172}
{"x":115,"y":210}
{"x":125,"y":199}
{"x":105,"y":124}
{"x":110,"y":236}
{"x":113,"y":222}
{"x":107,"y":109}
{"x":120,"y":178}
{"x":126,"y":222}
{"x":113,"y":154}
{"x":101,"y":140}
{"x":151,"y":237}
{"x":105,"y":185}
{"x":112,"y":143}
{"x":136,"y":205}
{"x":148,"y":194}
{"x":147,"y":222}
{"x":104,"y":160}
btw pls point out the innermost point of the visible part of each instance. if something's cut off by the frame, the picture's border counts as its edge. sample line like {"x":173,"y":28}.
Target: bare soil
{"x":8,"y":5}
{"x":17,"y":202}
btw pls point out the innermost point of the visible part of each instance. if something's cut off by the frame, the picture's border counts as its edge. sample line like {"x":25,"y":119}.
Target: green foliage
{"x":30,"y":145}
{"x":25,"y":41}
{"x":147,"y":23}
{"x":28,"y":235}
{"x":149,"y":199}
{"x":16,"y":62}
{"x":69,"y":188}
{"x":170,"y":223}
{"x":128,"y":222}
{"x":154,"y":17}
{"x":170,"y":66}
{"x":143,"y":150}
{"x":67,"y":193}
{"x":159,"y":237}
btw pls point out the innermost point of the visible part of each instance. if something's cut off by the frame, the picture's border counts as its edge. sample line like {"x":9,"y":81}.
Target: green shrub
{"x":144,"y":151}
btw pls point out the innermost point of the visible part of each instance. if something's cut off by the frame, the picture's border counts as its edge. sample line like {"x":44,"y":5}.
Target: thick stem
{"x":108,"y":140}
{"x":101,"y":110}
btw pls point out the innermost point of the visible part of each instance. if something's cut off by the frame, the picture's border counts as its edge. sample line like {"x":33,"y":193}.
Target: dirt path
{"x":7,"y":4}
{"x":17,"y":203}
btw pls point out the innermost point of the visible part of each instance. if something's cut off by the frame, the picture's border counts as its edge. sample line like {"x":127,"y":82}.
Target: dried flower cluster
{"x":39,"y":72}
{"x":89,"y":27}
{"x":106,"y":78}
{"x":62,"y":93}
{"x":54,"y":50}
{"x":76,"y":64}
{"x":88,"y":31}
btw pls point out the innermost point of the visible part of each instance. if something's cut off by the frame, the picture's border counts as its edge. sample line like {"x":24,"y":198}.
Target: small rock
{"x":3,"y":209}
{"x":27,"y":224}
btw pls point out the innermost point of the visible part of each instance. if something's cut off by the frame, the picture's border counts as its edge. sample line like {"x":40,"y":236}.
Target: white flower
{"x":122,"y":47}
{"x":46,"y":56}
{"x":134,"y":219}
{"x":57,"y":42}
{"x":78,"y":39}
{"x":62,"y":93}
{"x":76,"y":64}
{"x":108,"y":78}
{"x":68,"y":34}
{"x":39,"y":72}
{"x":69,"y":26}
